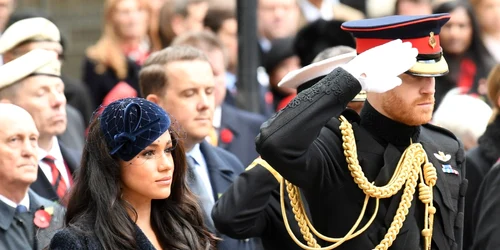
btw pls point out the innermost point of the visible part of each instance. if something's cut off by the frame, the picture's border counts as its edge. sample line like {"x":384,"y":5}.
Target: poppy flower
{"x":43,"y":217}
{"x":226,"y":136}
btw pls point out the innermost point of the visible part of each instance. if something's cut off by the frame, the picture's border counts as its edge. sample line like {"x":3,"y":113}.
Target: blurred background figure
{"x":120,"y":51}
{"x":468,"y":60}
{"x":180,"y":16}
{"x":132,"y":191}
{"x":464,"y":115}
{"x":312,"y":10}
{"x":33,"y":82}
{"x":488,"y":16}
{"x":276,"y":19}
{"x":6,"y":9}
{"x":221,"y":20}
{"x":413,"y":7}
{"x":481,"y":158}
{"x":28,"y":220}
{"x":317,"y":36}
{"x":278,"y":61}
{"x":154,"y":23}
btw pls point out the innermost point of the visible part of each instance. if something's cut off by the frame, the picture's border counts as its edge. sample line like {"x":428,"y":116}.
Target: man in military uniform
{"x":251,"y":206}
{"x":340,"y":164}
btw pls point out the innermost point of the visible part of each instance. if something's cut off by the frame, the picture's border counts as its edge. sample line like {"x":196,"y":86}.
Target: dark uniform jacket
{"x":304,"y":144}
{"x":251,"y":208}
{"x":223,"y":167}
{"x":18,"y":231}
{"x":485,"y":219}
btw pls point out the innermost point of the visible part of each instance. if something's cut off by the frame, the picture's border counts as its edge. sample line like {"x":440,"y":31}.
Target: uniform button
{"x":459,"y":220}
{"x":463,"y":187}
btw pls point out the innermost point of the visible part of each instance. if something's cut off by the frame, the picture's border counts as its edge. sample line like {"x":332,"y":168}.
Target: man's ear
{"x":153,"y":98}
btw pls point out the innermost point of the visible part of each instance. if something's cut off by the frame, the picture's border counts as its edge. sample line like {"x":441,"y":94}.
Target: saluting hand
{"x":378,"y":68}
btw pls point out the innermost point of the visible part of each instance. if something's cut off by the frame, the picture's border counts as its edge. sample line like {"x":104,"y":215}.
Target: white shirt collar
{"x":25,"y":201}
{"x":196,"y":154}
{"x":216,"y":122}
{"x":312,"y":13}
{"x":265,"y":44}
{"x":55,"y":151}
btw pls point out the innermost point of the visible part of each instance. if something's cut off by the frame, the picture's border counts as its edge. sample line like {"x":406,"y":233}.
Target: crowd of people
{"x":377,"y":128}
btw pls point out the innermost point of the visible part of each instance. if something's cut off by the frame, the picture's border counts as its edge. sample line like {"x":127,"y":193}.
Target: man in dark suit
{"x":235,"y":128}
{"x":28,"y":221}
{"x":32,"y":82}
{"x":342,"y":163}
{"x":180,"y":80}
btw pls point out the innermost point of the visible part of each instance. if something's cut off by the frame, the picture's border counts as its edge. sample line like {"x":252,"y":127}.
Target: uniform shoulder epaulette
{"x":440,"y":130}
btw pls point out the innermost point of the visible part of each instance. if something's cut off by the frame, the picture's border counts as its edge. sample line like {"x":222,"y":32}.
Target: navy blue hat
{"x":129,"y":125}
{"x":422,"y":31}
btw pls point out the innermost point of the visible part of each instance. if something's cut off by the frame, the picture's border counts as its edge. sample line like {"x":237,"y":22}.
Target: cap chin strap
{"x":429,"y":68}
{"x":408,"y":171}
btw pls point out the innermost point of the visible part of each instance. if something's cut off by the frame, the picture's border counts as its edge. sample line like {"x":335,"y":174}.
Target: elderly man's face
{"x":18,"y":146}
{"x":43,"y":97}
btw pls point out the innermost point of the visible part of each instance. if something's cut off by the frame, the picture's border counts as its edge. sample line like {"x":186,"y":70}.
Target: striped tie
{"x":58,"y":182}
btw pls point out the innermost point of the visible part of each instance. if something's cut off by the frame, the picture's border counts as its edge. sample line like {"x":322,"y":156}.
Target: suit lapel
{"x":229,"y":122}
{"x":44,"y":235}
{"x":219,"y":173}
{"x":43,"y":187}
{"x":70,"y":157}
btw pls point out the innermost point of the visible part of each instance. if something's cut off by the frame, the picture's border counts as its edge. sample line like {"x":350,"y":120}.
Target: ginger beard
{"x":407,"y":110}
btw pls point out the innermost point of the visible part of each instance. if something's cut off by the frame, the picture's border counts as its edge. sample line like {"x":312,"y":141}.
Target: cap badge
{"x":432,"y":40}
{"x":442,"y":156}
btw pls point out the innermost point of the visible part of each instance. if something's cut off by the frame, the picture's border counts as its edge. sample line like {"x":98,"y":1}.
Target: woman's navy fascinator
{"x":129,"y":125}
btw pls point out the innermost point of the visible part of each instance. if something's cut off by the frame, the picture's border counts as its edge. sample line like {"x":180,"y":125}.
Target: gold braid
{"x":407,"y":172}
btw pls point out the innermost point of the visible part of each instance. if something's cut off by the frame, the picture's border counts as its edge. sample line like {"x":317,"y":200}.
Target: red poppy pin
{"x":226,"y":136}
{"x":43,"y":216}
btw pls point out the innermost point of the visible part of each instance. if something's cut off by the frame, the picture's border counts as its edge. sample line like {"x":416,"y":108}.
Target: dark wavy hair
{"x":476,"y":51}
{"x":96,"y":209}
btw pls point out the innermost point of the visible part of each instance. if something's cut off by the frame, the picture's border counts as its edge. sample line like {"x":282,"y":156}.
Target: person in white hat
{"x":27,"y":33}
{"x":316,"y":74}
{"x":33,"y":82}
